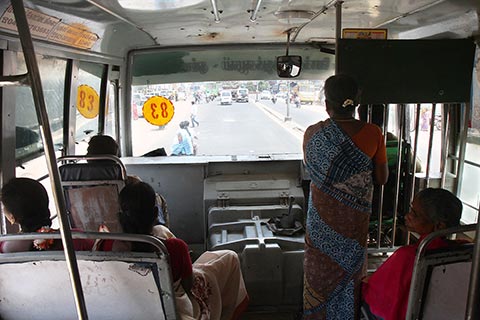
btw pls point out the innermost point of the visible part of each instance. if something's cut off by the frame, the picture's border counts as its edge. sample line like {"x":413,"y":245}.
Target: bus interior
{"x":136,"y":70}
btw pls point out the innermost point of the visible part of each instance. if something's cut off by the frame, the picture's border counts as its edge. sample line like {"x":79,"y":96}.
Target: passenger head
{"x":341,"y":94}
{"x":433,"y":209}
{"x":184,"y":124}
{"x":138,"y":208}
{"x":26,"y":203}
{"x":102,"y":144}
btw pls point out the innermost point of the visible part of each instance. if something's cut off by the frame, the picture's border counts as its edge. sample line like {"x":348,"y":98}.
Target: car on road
{"x":226,"y":97}
{"x":242,"y":95}
{"x":265,"y":95}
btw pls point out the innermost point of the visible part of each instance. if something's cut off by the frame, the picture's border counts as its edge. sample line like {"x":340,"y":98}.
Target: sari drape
{"x":337,"y":222}
{"x":218,"y":291}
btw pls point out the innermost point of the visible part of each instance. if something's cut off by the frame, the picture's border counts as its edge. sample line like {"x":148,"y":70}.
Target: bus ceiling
{"x":114,"y":27}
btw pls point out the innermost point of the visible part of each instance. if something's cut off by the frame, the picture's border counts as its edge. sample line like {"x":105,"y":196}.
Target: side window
{"x":28,"y":141}
{"x":88,"y":91}
{"x":110,"y":126}
{"x":469,"y":191}
{"x":29,"y":145}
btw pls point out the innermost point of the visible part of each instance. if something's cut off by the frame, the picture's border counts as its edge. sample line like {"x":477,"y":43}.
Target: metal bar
{"x":404,"y":15}
{"x":253,"y":17}
{"x":44,"y":126}
{"x":415,"y":148}
{"x":463,"y":147}
{"x":117,"y":115}
{"x":116,"y":15}
{"x":399,"y":167}
{"x":154,"y":241}
{"x":75,"y":158}
{"x":103,"y":98}
{"x":125,"y":117}
{"x":445,"y":143}
{"x":16,"y":80}
{"x":315,"y":15}
{"x":473,"y":307}
{"x":215,"y":11}
{"x":382,"y":187}
{"x":430,"y":146}
{"x":338,"y":29}
{"x":69,"y":109}
{"x":422,"y":248}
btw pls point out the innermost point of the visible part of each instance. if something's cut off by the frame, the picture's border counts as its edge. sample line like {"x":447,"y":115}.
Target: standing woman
{"x":344,"y":158}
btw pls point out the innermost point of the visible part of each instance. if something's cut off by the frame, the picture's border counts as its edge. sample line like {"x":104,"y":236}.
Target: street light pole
{"x":287,"y":117}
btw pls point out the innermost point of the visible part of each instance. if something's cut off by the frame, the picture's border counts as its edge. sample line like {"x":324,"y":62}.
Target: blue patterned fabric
{"x":342,"y":176}
{"x":339,"y":168}
{"x":346,"y":252}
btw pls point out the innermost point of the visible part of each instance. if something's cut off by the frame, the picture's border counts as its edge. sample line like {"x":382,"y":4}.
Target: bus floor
{"x":374,"y":261}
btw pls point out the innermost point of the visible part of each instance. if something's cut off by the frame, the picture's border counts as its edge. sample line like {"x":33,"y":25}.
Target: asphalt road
{"x":254,"y":127}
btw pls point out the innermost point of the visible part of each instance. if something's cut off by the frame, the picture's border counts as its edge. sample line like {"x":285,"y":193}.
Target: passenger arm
{"x":380,"y":173}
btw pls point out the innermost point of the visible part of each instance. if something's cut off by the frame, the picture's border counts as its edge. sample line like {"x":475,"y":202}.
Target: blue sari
{"x":339,"y":207}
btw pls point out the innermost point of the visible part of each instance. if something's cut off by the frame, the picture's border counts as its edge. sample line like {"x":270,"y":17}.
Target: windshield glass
{"x":223,"y":122}
{"x":232,"y":98}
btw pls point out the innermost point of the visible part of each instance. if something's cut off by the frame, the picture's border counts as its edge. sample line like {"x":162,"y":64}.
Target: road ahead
{"x":240,"y":128}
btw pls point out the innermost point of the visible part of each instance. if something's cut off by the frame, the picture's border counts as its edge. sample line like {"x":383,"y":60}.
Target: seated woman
{"x":386,"y":291}
{"x":106,"y":145}
{"x":25,"y":202}
{"x":211,"y":288}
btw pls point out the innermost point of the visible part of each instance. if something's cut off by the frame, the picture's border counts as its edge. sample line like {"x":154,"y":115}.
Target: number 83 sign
{"x":158,"y":110}
{"x":87,"y":101}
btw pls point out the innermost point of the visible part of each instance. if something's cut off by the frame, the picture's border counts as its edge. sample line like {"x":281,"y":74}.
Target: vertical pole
{"x":430,"y":145}
{"x":338,"y":30}
{"x":403,"y":112}
{"x":40,"y":107}
{"x":466,"y":107}
{"x":415,"y":149}
{"x":445,"y":143}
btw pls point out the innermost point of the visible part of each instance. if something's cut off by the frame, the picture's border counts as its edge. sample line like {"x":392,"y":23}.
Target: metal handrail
{"x":156,"y":242}
{"x":76,"y":158}
{"x":473,"y":307}
{"x":422,"y":250}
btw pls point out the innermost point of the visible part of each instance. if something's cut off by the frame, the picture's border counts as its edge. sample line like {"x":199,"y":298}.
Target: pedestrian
{"x":193,"y":115}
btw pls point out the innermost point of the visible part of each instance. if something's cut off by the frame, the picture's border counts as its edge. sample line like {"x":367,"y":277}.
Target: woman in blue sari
{"x":344,"y":158}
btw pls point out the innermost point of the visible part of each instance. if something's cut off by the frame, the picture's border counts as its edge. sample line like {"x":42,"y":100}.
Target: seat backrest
{"x":36,"y":285}
{"x":91,"y":191}
{"x":440,"y":282}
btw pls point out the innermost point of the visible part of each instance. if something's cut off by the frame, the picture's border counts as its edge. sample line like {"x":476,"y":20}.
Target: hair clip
{"x":347,"y":103}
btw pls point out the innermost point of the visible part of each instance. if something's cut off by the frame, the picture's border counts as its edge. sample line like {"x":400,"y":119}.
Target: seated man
{"x":386,"y":291}
{"x":25,"y":202}
{"x":210,"y":288}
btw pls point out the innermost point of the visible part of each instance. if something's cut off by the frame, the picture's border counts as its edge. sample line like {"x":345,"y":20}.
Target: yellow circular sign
{"x":158,"y":110}
{"x":88,"y":103}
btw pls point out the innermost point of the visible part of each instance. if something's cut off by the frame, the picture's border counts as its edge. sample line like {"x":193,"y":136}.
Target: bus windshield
{"x":258,"y":115}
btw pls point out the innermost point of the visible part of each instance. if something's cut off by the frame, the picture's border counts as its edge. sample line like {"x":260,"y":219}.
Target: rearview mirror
{"x":289,"y":66}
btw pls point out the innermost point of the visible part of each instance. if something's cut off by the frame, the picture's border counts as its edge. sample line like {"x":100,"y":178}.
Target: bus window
{"x":471,"y":171}
{"x":90,"y":75}
{"x":29,"y":146}
{"x":28,"y":140}
{"x":110,"y":124}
